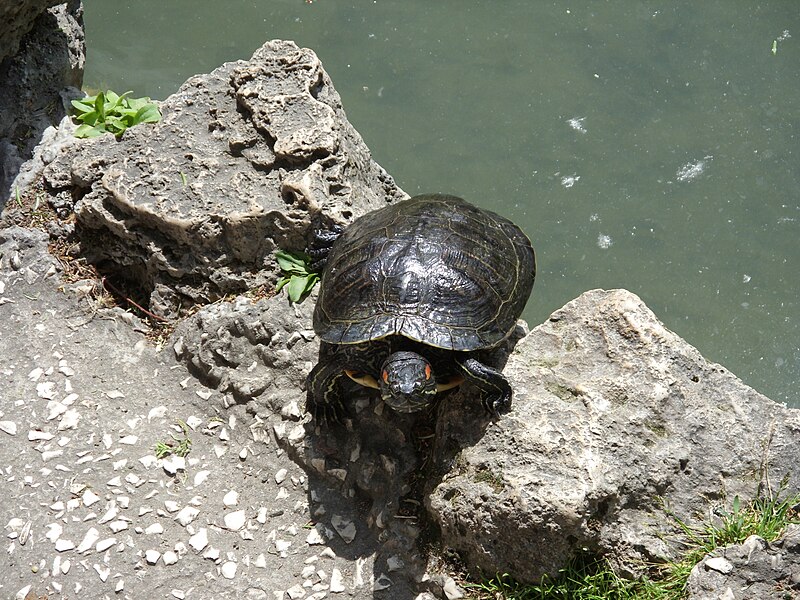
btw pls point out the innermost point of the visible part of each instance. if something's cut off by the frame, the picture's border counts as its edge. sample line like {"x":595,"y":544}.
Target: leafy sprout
{"x":298,"y":278}
{"x":107,"y":112}
{"x":178,"y":446}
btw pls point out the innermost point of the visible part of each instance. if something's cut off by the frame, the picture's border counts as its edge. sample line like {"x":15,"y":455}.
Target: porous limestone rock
{"x":243,"y":162}
{"x":614,"y":418}
{"x":752,"y":569}
{"x":42,"y":56}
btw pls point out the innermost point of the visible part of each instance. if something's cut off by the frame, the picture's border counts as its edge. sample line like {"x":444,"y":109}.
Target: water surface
{"x":650,"y":145}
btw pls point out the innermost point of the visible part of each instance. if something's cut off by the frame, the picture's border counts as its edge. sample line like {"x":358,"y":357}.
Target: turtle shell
{"x":434,"y":269}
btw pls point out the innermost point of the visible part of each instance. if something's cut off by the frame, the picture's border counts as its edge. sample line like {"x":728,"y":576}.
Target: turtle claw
{"x":496,"y":405}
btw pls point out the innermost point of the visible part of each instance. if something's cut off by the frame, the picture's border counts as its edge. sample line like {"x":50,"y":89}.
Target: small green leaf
{"x":281,"y":282}
{"x":296,"y":287}
{"x":89,"y":131}
{"x":83,"y":106}
{"x":100,"y":106}
{"x":147,"y":114}
{"x":311,"y":281}
{"x":291,"y":262}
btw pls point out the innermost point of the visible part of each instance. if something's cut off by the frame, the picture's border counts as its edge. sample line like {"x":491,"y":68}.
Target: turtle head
{"x":406,"y":382}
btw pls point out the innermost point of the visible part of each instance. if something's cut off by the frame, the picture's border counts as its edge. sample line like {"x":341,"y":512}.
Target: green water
{"x":647,"y":145}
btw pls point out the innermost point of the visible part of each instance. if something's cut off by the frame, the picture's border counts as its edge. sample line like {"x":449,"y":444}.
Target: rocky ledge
{"x":618,"y":426}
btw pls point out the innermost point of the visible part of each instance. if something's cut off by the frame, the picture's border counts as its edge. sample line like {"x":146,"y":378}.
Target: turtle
{"x":412,"y":295}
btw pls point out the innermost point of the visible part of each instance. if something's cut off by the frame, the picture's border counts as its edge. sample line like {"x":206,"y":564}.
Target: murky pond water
{"x":653,"y":146}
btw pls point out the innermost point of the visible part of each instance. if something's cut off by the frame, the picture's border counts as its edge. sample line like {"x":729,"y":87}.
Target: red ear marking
{"x":385,"y":376}
{"x":427,"y":371}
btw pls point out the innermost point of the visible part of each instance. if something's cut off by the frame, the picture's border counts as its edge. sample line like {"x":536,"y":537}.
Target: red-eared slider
{"x":410,"y":294}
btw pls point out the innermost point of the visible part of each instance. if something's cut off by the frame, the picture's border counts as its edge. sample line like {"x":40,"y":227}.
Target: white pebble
{"x":54,"y":531}
{"x":110,"y":515}
{"x":102,"y":571}
{"x":152,"y":556}
{"x":154,"y":529}
{"x":200,"y":477}
{"x":231,"y":499}
{"x":229,"y":570}
{"x":34,"y":435}
{"x":194,"y":422}
{"x":89,"y":540}
{"x":64,"y":545}
{"x":69,"y":420}
{"x":46,"y":390}
{"x":296,"y":591}
{"x":171,"y":506}
{"x":235,"y":520}
{"x":105,"y":544}
{"x":199,"y":540}
{"x":115,"y":394}
{"x":157,"y":413}
{"x":187,"y":515}
{"x":314,"y":538}
{"x":280,"y":476}
{"x":337,"y":581}
{"x":173,"y":464}
{"x":346,"y":529}
{"x":179,"y":594}
{"x":8,"y":427}
{"x":129,"y":440}
{"x":89,"y":498}
{"x":720,"y":565}
{"x":170,"y":558}
{"x":117,"y":526}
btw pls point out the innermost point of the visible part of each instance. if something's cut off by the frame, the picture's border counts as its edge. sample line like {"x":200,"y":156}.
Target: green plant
{"x":178,"y":446}
{"x":298,"y":277}
{"x":107,"y":112}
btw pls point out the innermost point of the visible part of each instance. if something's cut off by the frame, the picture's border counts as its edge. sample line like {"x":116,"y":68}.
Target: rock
{"x":42,"y":56}
{"x":241,"y":348}
{"x":244,"y":160}
{"x":614,"y":416}
{"x":753,"y":569}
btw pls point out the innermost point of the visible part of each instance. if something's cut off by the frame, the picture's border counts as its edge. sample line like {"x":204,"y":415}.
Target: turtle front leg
{"x":323,"y":399}
{"x":323,"y":384}
{"x":496,"y":391}
{"x":321,"y":244}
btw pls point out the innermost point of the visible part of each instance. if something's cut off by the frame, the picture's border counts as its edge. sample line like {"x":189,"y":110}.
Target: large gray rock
{"x":753,"y":569}
{"x":42,"y":58}
{"x":18,"y":19}
{"x":243,"y":161}
{"x":614,"y":418}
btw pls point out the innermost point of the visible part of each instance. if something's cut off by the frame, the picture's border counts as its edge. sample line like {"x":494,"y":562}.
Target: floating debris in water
{"x":692,"y":170}
{"x":577,"y":124}
{"x":604,"y":241}
{"x":569,"y":180}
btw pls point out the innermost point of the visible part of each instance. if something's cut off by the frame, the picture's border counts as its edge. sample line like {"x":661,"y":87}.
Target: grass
{"x":591,"y":578}
{"x":179,"y":446}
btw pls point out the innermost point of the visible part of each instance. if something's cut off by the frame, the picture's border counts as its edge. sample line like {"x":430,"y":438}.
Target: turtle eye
{"x":385,"y":376}
{"x":427,"y":372}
